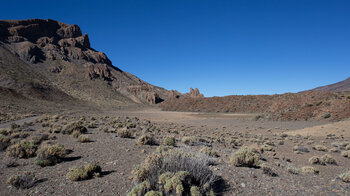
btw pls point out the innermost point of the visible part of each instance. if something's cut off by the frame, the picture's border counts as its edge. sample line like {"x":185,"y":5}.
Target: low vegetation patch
{"x":146,"y":140}
{"x":22,"y":181}
{"x":49,"y":155}
{"x":124,"y":133}
{"x":170,"y":141}
{"x":345,"y":177}
{"x":74,"y":126}
{"x":246,"y":157}
{"x":319,"y":148}
{"x":309,"y":170}
{"x":24,"y":149}
{"x":84,"y":139}
{"x":174,"y":172}
{"x":84,"y":172}
{"x":209,"y":151}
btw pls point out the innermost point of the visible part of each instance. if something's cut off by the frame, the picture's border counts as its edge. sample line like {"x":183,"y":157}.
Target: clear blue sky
{"x":221,"y":47}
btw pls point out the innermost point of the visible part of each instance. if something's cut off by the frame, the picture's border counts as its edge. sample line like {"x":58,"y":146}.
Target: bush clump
{"x":319,"y":148}
{"x":246,"y":157}
{"x":22,"y":181}
{"x":174,"y":172}
{"x":346,"y":153}
{"x":310,"y":170}
{"x":74,"y":127}
{"x":209,"y":151}
{"x":84,"y":172}
{"x":84,"y":139}
{"x":170,"y":141}
{"x":345,"y":177}
{"x":146,"y":140}
{"x":124,"y":133}
{"x":24,"y":149}
{"x":50,"y":155}
{"x":5,"y":141}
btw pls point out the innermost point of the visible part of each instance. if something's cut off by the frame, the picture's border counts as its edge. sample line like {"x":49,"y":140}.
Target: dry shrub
{"x":345,"y":177}
{"x":173,"y":172}
{"x":22,"y":181}
{"x":170,"y":141}
{"x":310,"y":170}
{"x":74,"y":127}
{"x":84,"y":172}
{"x":5,"y":141}
{"x":50,"y":155}
{"x":84,"y":139}
{"x":146,"y":140}
{"x":124,"y":133}
{"x":346,"y":153}
{"x":246,"y":157}
{"x":24,"y":149}
{"x":320,"y":148}
{"x":209,"y":151}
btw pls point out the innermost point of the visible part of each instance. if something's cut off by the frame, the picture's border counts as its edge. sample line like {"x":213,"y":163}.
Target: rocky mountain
{"x":336,"y":87}
{"x":53,"y":61}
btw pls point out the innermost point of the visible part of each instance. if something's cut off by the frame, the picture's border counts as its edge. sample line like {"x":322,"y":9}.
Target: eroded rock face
{"x":194,"y":93}
{"x":65,"y":50}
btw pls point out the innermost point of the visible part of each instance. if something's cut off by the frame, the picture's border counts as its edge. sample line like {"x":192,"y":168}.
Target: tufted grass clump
{"x":24,"y":149}
{"x":22,"y":181}
{"x":245,"y":157}
{"x":84,"y":139}
{"x":170,"y":141}
{"x":49,"y":155}
{"x":209,"y":151}
{"x":309,"y":170}
{"x":174,"y":172}
{"x":345,"y":177}
{"x":76,"y":127}
{"x":124,"y":133}
{"x":84,"y":172}
{"x":5,"y":141}
{"x":146,"y":140}
{"x":346,"y":153}
{"x":320,"y":148}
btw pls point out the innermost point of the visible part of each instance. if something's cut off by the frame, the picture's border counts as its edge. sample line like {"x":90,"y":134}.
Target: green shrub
{"x":246,"y":157}
{"x":50,"y":155}
{"x":170,"y":141}
{"x":84,"y":173}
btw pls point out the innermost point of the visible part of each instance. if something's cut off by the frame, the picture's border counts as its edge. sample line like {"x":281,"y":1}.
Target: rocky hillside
{"x":290,"y":106}
{"x":336,"y":87}
{"x":53,"y":61}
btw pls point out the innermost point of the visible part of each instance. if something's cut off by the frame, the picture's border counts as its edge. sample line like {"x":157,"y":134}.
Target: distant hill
{"x":336,"y":87}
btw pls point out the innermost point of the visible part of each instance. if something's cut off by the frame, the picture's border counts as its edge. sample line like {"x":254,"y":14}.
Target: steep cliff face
{"x":62,"y":55}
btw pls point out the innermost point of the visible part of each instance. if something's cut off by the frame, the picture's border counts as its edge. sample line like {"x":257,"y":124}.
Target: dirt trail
{"x":20,"y":122}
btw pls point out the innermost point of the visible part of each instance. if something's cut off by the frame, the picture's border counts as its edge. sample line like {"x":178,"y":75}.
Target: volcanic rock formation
{"x":61,"y":55}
